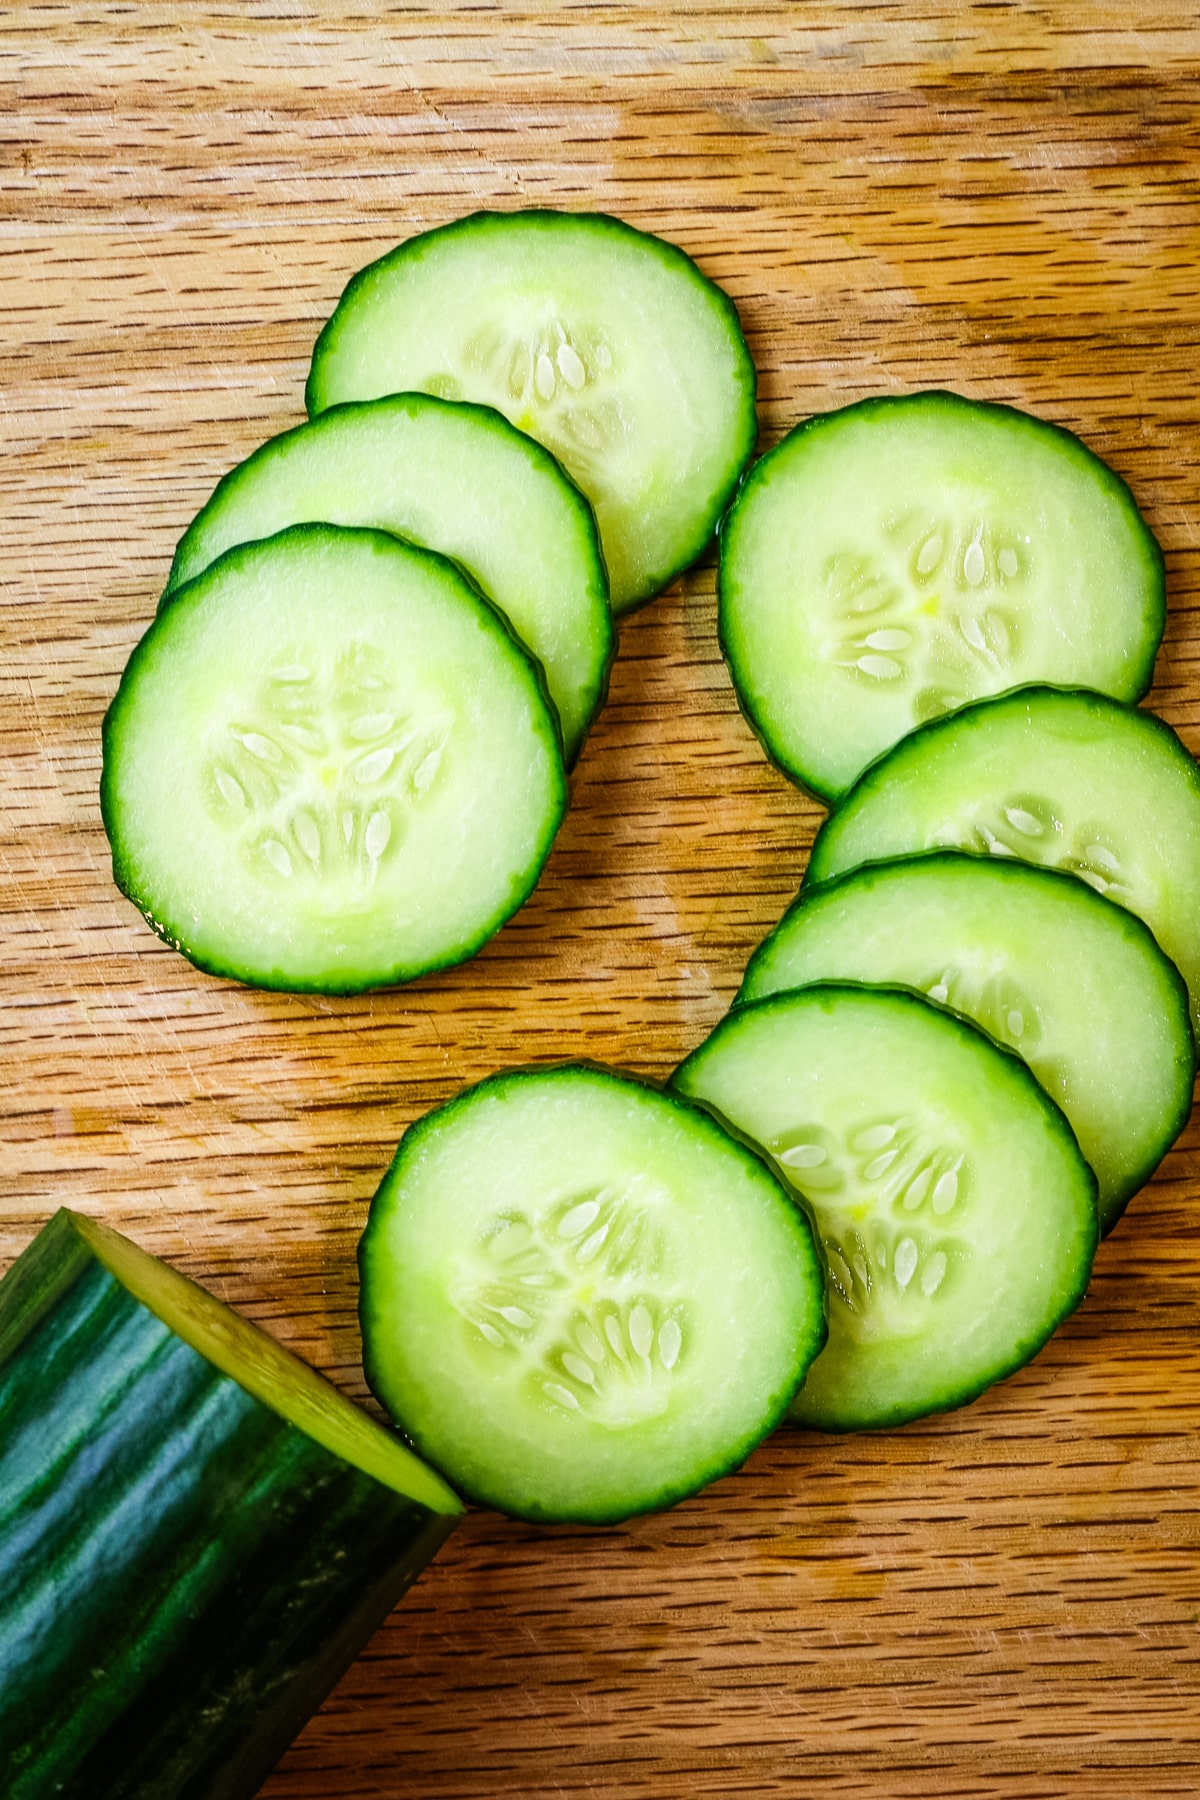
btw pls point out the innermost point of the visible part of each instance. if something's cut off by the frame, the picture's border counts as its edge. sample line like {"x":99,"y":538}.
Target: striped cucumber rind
{"x":606,"y":344}
{"x":451,"y":477}
{"x":185,"y":1567}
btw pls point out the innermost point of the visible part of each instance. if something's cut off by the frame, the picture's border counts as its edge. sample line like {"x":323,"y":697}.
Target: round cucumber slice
{"x":890,"y":562}
{"x":1071,"y":780}
{"x":582,"y":1296}
{"x":1075,"y":987}
{"x":956,"y":1212}
{"x":459,"y":479}
{"x":605,"y":344}
{"x":329,"y":765}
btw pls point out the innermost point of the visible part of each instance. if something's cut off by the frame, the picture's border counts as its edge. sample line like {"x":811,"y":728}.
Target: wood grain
{"x":999,"y":198}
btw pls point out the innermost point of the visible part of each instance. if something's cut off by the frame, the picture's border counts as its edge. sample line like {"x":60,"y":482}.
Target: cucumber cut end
{"x":267,"y":1371}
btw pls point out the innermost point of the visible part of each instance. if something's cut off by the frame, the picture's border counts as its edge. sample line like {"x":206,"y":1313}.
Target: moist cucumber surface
{"x":1071,"y":780}
{"x":1074,"y":986}
{"x":890,"y":562}
{"x":604,"y":343}
{"x":197,"y":1533}
{"x":582,"y":1296}
{"x":454,"y":478}
{"x":957,"y":1215}
{"x":329,"y":765}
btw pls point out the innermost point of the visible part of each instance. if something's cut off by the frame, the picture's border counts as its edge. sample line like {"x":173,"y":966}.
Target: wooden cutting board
{"x":1001,"y":199}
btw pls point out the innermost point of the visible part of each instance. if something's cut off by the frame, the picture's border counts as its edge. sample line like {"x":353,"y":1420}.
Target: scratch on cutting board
{"x":474,"y":153}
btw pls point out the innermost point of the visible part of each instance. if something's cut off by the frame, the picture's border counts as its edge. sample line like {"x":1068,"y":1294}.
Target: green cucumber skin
{"x":486,"y":417}
{"x":600,"y":221}
{"x":695,"y":1110}
{"x":1140,"y":681}
{"x":724,"y":525}
{"x":183,"y":1574}
{"x":1133,"y":927}
{"x":125,"y":876}
{"x":827,"y":993}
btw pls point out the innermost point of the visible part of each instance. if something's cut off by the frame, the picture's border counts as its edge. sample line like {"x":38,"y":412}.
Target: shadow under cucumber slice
{"x":956,"y":1212}
{"x":1076,"y":987}
{"x":329,"y":765}
{"x":455,"y":478}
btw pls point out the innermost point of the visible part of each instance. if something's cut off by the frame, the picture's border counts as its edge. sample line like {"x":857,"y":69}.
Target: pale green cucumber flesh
{"x":269,"y":1373}
{"x":956,"y":1212}
{"x":1076,"y":987}
{"x":329,"y":765}
{"x":453,"y":478}
{"x":1072,"y":780}
{"x":197,"y":1535}
{"x":581,"y":1297}
{"x":604,"y":343}
{"x":893,"y":561}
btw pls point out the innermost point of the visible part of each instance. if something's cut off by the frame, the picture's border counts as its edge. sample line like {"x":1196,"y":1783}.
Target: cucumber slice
{"x":604,"y":343}
{"x":329,"y":765}
{"x":1074,"y":986}
{"x":197,"y":1533}
{"x":957,"y":1214}
{"x":892,"y":561}
{"x":583,"y":1296}
{"x":1071,"y":780}
{"x":458,"y":479}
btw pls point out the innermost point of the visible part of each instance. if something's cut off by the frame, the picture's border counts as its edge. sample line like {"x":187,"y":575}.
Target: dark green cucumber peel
{"x":319,"y":396}
{"x":957,"y":1390}
{"x":126,"y":876}
{"x":1134,"y":681}
{"x":524,"y":1499}
{"x":184,"y":1572}
{"x":209,"y":533}
{"x":1013,"y":883}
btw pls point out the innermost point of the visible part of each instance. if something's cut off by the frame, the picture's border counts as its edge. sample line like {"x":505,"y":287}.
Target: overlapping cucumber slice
{"x":454,"y":478}
{"x":957,"y":1215}
{"x":581,"y":1297}
{"x":604,"y":343}
{"x":1075,"y":986}
{"x":892,"y":561}
{"x":330,"y":765}
{"x":1074,"y":781}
